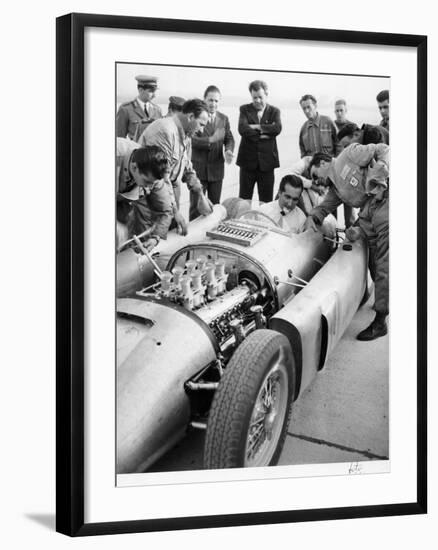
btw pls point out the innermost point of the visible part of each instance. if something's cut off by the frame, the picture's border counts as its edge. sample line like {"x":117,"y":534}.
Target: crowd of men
{"x":341,"y":163}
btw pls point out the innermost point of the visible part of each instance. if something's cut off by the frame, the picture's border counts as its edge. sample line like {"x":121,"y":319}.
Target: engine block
{"x":208,"y":291}
{"x":232,"y":305}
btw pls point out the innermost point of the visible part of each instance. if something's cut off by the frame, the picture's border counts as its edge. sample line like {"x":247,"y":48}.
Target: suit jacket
{"x":258,"y":149}
{"x":131,"y":120}
{"x":208,"y":158}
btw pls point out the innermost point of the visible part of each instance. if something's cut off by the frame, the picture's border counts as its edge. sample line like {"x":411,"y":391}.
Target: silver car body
{"x":161,"y":345}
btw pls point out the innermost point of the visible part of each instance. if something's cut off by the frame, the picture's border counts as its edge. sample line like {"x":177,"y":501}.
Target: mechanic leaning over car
{"x":144,"y":203}
{"x":173,"y":135}
{"x":358,"y":176}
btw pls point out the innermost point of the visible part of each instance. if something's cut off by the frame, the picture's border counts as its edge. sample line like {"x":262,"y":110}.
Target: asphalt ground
{"x":341,"y":417}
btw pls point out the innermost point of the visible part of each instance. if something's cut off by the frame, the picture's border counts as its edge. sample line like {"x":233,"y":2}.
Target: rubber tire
{"x":234,"y":400}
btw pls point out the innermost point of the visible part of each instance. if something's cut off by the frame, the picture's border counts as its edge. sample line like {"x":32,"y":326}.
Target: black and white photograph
{"x":236,"y":344}
{"x":200,"y":350}
{"x":252,"y":271}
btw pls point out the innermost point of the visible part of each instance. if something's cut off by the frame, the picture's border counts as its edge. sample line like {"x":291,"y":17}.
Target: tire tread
{"x":239,"y":386}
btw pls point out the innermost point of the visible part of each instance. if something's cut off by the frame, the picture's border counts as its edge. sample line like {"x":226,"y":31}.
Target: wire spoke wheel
{"x":268,"y":415}
{"x":251,"y":408}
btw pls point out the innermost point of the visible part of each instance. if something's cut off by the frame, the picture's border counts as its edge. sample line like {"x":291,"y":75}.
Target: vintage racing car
{"x":222,"y":331}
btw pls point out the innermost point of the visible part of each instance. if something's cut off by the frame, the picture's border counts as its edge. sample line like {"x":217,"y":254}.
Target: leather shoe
{"x":376,"y":329}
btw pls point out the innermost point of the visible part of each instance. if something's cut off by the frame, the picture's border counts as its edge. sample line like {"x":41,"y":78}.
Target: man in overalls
{"x":359,"y":177}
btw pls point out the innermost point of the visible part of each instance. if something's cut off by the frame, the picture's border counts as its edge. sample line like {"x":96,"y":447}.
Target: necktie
{"x":146,"y":109}
{"x":282,"y":221}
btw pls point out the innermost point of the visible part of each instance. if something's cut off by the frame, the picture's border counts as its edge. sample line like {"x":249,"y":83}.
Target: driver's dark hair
{"x":151,"y":159}
{"x":317,"y":158}
{"x":292,"y":180}
{"x":347,"y":130}
{"x":194,"y":106}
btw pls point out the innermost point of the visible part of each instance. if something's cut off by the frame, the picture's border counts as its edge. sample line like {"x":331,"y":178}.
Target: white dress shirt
{"x":143,"y":105}
{"x":292,"y":221}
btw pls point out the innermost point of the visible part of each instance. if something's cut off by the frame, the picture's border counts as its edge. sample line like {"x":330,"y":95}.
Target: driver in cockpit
{"x":285,"y":210}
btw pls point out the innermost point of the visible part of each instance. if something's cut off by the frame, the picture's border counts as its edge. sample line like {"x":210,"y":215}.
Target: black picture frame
{"x":70,"y":273}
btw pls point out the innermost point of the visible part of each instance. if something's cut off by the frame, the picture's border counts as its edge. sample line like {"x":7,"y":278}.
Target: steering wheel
{"x":257,"y":216}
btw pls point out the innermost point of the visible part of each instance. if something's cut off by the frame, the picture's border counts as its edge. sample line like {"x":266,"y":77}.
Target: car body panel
{"x":162,"y":344}
{"x":156,"y":355}
{"x":334,"y":293}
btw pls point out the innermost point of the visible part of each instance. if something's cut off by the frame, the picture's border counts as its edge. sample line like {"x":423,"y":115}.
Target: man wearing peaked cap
{"x":133,"y":117}
{"x":147,"y":81}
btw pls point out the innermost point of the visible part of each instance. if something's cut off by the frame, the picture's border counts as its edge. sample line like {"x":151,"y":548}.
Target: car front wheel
{"x":251,"y":408}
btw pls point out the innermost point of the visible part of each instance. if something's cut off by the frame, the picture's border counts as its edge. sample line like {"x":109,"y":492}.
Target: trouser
{"x":374,"y":222}
{"x":265,"y":184}
{"x":212,"y":189}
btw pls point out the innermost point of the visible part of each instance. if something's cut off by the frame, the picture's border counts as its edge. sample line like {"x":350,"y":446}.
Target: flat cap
{"x":146,"y":80}
{"x":176,"y":100}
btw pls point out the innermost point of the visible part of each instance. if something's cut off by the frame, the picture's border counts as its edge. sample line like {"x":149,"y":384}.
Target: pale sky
{"x":285,"y":89}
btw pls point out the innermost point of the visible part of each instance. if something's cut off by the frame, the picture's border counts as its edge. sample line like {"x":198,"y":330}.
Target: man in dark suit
{"x":209,"y":149}
{"x":133,"y":117}
{"x":259,"y":124}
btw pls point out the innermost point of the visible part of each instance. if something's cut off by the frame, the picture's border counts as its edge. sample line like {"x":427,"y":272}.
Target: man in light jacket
{"x":359,"y":177}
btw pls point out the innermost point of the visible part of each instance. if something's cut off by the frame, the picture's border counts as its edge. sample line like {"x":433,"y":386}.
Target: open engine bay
{"x":224,"y":288}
